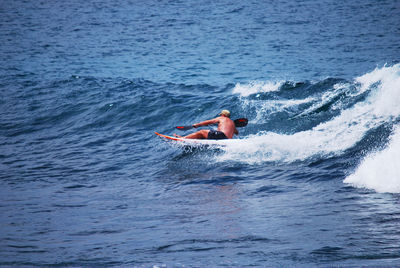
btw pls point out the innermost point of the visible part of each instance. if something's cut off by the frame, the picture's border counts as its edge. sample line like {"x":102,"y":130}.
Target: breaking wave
{"x":350,"y":111}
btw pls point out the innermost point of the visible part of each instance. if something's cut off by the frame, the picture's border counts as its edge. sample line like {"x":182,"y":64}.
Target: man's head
{"x":225,"y":113}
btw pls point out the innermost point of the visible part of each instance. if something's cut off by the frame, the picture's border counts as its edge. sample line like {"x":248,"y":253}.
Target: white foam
{"x":380,"y":171}
{"x":332,"y":137}
{"x":256,"y":87}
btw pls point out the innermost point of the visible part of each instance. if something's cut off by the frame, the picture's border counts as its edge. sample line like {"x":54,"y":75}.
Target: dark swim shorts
{"x":216,"y":135}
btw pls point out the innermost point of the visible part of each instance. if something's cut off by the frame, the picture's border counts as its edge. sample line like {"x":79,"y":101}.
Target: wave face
{"x":86,"y":146}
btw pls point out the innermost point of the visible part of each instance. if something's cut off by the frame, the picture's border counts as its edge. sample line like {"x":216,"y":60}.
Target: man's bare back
{"x":225,"y":125}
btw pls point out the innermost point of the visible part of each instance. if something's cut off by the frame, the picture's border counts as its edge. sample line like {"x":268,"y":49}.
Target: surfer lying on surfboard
{"x":226,"y":128}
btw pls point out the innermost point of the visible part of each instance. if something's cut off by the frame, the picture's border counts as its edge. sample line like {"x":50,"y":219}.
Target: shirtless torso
{"x":225,"y":125}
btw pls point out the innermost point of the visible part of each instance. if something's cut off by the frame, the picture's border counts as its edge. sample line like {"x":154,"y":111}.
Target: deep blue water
{"x":312,"y":181}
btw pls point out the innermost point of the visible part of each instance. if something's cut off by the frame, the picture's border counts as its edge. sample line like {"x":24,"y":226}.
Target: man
{"x":226,"y":128}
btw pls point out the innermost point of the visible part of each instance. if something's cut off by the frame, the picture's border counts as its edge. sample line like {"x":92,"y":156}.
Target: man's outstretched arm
{"x":206,"y":123}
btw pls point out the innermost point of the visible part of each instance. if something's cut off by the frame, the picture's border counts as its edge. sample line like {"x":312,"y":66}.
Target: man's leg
{"x":201,"y":134}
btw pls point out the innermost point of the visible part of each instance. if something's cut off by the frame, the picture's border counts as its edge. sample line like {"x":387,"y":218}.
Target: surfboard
{"x":192,"y":142}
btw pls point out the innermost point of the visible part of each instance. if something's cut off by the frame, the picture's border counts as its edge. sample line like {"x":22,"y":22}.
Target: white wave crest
{"x":256,"y":87}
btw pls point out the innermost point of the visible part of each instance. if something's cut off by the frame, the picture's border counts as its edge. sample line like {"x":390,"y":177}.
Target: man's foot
{"x":175,"y":135}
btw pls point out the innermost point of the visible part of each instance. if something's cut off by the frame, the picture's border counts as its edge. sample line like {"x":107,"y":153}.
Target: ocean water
{"x":312,"y":181}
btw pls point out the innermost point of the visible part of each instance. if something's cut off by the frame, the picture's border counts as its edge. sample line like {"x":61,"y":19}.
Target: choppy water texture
{"x":313,"y":180}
